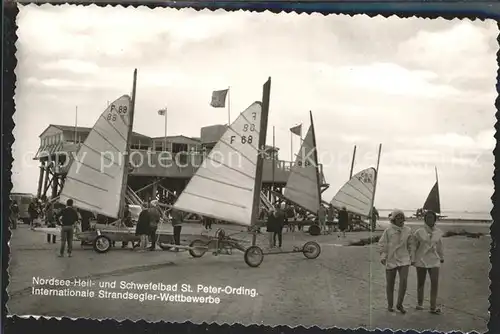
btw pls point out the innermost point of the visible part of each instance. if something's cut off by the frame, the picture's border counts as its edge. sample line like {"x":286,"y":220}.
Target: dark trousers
{"x":177,"y":234}
{"x":434,"y":277}
{"x":279,"y":234}
{"x":154,"y":238}
{"x":66,"y":237}
{"x":390,"y":275}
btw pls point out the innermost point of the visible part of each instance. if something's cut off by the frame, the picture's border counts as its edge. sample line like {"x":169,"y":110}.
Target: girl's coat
{"x":428,"y":247}
{"x":396,"y":246}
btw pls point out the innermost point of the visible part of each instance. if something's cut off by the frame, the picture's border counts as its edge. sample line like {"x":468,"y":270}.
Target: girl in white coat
{"x":428,"y":257}
{"x":395,"y":246}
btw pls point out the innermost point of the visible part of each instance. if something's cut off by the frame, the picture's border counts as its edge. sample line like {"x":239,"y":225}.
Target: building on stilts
{"x":151,"y":176}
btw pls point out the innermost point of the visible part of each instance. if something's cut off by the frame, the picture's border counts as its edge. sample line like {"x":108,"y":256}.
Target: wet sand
{"x":344,"y":287}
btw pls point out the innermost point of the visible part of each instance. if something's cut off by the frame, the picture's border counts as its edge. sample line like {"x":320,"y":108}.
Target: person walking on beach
{"x":428,"y":256}
{"x":396,"y":251}
{"x":154,"y":219}
{"x":142,"y":228}
{"x":343,"y":221}
{"x":67,"y":217}
{"x":177,"y":225}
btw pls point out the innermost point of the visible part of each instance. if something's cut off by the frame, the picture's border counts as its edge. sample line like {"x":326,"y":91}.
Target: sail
{"x":95,"y":178}
{"x":224,"y":185}
{"x":357,"y":194}
{"x":432,"y":202}
{"x":302,"y":185}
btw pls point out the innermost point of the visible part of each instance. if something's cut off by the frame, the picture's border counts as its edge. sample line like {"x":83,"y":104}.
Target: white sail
{"x":223,"y":187}
{"x":357,"y":194}
{"x":95,"y":178}
{"x":302,"y":185}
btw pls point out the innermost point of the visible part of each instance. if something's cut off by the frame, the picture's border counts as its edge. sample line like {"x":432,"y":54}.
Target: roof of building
{"x":81,"y":129}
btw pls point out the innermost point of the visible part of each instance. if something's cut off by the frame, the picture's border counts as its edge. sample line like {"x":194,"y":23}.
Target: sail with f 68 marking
{"x":357,"y":194}
{"x":223,"y":187}
{"x":95,"y":179}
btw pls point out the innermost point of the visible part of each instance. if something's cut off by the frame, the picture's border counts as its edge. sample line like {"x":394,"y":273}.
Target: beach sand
{"x":344,"y":287}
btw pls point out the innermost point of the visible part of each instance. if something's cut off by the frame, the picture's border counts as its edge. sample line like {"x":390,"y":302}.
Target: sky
{"x":425,"y":89}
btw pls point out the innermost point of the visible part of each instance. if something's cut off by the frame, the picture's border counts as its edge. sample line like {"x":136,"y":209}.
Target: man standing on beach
{"x":142,"y":228}
{"x":67,"y":217}
{"x":322,"y":218}
{"x":396,"y":254}
{"x":177,"y":225}
{"x":154,"y":219}
{"x":279,"y":224}
{"x":343,"y":221}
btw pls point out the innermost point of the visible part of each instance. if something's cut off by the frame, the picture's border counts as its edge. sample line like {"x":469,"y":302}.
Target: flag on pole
{"x":297,"y":130}
{"x":219,"y":98}
{"x":162,"y":112}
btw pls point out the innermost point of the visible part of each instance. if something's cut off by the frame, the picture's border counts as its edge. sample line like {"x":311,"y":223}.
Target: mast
{"x":266,"y":91}
{"x":316,"y":164}
{"x":376,"y":178}
{"x":274,"y":161}
{"x":126,"y":159}
{"x":352,"y":162}
{"x":437,"y":188}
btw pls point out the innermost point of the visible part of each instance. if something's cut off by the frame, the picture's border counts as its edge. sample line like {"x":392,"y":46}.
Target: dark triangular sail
{"x":432,"y":203}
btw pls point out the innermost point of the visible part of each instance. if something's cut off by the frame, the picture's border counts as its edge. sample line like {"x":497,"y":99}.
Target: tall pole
{"x":316,"y":162}
{"x":274,"y":154}
{"x":76,"y":123}
{"x":165,"y":129}
{"x":291,"y":146}
{"x":376,"y":177}
{"x":127,"y":149}
{"x":229,"y":105}
{"x":352,"y":162}
{"x":266,"y":92}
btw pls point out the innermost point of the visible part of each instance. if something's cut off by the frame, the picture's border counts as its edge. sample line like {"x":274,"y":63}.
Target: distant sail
{"x":95,"y":179}
{"x":432,"y":202}
{"x":223,"y":187}
{"x":357,"y":194}
{"x":302,"y":185}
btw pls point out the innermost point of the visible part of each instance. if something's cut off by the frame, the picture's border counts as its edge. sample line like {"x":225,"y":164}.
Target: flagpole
{"x":291,"y":146}
{"x":165,"y":129}
{"x":76,"y":123}
{"x":229,"y":105}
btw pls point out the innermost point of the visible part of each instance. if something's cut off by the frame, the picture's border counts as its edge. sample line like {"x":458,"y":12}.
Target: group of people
{"x":400,"y":248}
{"x":147,"y":226}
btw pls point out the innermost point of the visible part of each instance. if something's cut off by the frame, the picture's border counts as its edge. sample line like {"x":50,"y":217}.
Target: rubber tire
{"x":199,"y":253}
{"x":311,"y":244}
{"x":314,"y":230}
{"x":247,"y":256}
{"x":96,"y":240}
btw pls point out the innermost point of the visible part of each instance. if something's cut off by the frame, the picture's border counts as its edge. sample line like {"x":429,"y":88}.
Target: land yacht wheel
{"x":102,"y":244}
{"x":311,"y":250}
{"x":198,"y":248}
{"x":254,"y":256}
{"x":314,"y":230}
